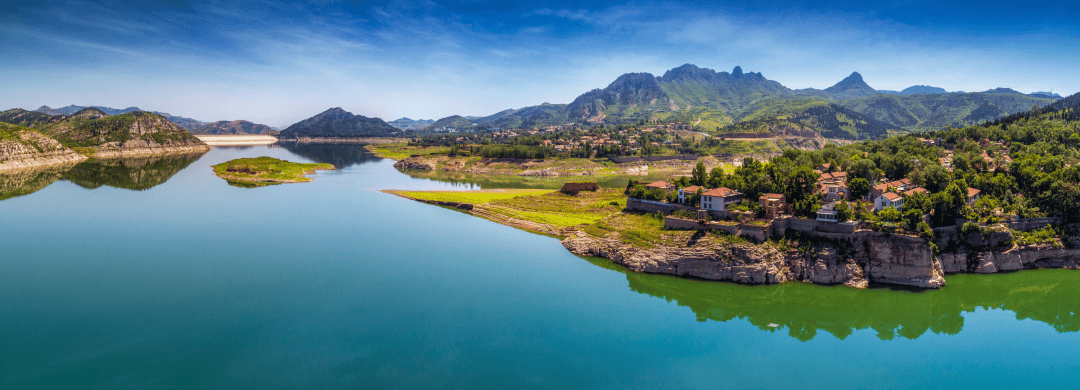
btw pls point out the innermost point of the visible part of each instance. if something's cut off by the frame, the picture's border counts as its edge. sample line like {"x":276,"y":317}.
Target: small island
{"x":264,"y":171}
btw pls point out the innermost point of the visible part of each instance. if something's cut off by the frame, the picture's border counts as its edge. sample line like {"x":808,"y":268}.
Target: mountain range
{"x":93,"y":132}
{"x":409,"y":124}
{"x":720,"y":100}
{"x":337,"y":122}
{"x":233,"y":128}
{"x":187,"y":123}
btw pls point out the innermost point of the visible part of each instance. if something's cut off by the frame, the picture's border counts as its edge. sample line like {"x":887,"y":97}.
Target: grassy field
{"x":561,"y":210}
{"x":266,"y":170}
{"x":474,"y":197}
{"x":544,"y":211}
{"x":400,"y":151}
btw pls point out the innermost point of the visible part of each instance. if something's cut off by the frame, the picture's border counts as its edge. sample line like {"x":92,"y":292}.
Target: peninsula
{"x":904,"y":210}
{"x":264,"y":171}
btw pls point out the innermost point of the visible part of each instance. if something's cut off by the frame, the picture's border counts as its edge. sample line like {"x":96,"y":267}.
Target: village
{"x":845,"y":206}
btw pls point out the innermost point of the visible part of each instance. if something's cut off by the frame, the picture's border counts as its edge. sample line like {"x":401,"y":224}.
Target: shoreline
{"x":864,"y":258}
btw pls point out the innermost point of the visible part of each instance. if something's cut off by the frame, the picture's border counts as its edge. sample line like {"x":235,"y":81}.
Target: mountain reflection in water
{"x":128,"y":173}
{"x":804,"y":309}
{"x":340,"y":155}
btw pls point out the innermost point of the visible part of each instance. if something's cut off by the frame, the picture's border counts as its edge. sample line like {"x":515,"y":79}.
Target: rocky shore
{"x":867,"y":257}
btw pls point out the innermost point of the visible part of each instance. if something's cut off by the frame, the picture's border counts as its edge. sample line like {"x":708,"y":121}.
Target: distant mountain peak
{"x":737,"y":71}
{"x":336,"y":122}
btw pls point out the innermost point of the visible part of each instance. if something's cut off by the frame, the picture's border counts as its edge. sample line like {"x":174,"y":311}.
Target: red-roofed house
{"x":663,"y":185}
{"x":972,"y":196}
{"x":915,"y":190}
{"x":889,"y":199}
{"x":717,"y":199}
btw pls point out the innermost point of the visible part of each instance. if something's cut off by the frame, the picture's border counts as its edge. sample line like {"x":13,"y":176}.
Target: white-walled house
{"x":889,"y":199}
{"x":717,"y":199}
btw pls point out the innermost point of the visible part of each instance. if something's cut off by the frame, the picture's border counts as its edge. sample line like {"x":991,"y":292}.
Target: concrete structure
{"x":827,"y":213}
{"x":889,"y":199}
{"x":717,"y":199}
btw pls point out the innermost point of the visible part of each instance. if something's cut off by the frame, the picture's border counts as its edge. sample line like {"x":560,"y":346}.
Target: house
{"x":880,"y":189}
{"x":663,"y":185}
{"x":823,"y":167}
{"x":683,"y":192}
{"x":835,"y":192}
{"x":575,"y":188}
{"x":774,"y":205}
{"x":827,"y":213}
{"x":915,"y":190}
{"x":972,"y":196}
{"x":717,"y":199}
{"x":889,"y":199}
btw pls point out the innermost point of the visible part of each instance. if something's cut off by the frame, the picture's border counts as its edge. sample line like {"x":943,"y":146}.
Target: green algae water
{"x":156,"y":274}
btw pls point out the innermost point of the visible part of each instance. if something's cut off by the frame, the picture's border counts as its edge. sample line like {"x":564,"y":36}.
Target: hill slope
{"x":336,"y":122}
{"x":936,"y":111}
{"x":131,"y":134}
{"x":23,"y":147}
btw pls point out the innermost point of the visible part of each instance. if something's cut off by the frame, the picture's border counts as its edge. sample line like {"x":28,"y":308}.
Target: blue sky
{"x":280,"y":62}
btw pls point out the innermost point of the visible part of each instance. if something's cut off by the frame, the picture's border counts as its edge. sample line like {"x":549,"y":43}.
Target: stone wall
{"x":648,"y":206}
{"x":1031,"y":223}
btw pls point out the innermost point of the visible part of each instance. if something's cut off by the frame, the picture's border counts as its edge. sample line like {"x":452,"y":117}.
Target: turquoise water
{"x":182,"y":281}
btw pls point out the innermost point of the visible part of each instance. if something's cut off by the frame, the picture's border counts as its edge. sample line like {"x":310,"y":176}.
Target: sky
{"x":277,"y":63}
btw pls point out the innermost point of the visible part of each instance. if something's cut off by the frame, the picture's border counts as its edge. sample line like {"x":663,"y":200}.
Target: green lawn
{"x":266,"y":170}
{"x":473,"y":197}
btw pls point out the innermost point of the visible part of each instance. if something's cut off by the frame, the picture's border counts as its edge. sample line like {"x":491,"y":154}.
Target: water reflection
{"x":26,"y":182}
{"x":805,"y":309}
{"x":128,"y":173}
{"x":340,"y":155}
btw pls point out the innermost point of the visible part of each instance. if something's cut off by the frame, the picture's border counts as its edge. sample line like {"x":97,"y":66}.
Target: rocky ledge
{"x":865,"y":257}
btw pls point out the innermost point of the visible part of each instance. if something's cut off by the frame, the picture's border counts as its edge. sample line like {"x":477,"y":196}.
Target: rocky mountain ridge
{"x":736,"y":95}
{"x":187,"y":123}
{"x":94,"y":133}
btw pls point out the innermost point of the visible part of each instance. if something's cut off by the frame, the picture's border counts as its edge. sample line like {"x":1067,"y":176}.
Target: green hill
{"x":936,"y":111}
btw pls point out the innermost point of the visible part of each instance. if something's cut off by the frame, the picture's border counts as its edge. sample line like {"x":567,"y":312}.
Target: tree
{"x":698,"y":176}
{"x":913,"y":218}
{"x":858,"y":188}
{"x":889,"y":214}
{"x":843,"y":212}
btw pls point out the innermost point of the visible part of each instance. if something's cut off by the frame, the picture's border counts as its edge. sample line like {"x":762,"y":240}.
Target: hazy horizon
{"x":279,"y":63}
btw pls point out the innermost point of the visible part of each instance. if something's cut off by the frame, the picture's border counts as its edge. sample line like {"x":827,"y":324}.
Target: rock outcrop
{"x":867,"y":257}
{"x":25,"y":148}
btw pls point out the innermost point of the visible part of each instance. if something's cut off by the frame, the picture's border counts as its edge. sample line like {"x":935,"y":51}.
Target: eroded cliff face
{"x":742,"y":263}
{"x":866,"y":257}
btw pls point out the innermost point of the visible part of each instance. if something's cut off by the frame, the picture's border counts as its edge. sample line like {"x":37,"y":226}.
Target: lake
{"x":156,"y":274}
